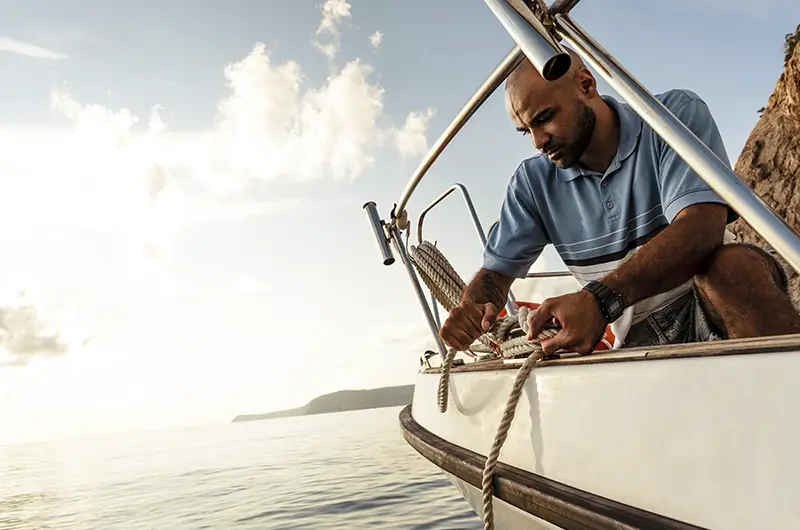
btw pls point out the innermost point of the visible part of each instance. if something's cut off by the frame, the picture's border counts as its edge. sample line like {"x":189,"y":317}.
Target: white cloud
{"x":339,"y":123}
{"x":105,"y":175}
{"x":375,"y":39}
{"x":94,"y":201}
{"x":25,"y":335}
{"x":334,"y":12}
{"x":328,"y":49}
{"x":410,"y":139}
{"x":30,"y":50}
{"x":109,"y":171}
{"x":268,"y":128}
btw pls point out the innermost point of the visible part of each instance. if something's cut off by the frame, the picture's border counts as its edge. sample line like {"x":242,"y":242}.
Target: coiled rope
{"x":507,"y":337}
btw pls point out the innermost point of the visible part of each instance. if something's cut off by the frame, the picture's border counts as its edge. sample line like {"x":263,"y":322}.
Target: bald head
{"x":559,"y":115}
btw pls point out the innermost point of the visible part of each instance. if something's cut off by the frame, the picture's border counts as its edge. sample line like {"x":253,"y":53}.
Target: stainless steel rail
{"x":549,"y":274}
{"x":470,"y":206}
{"x":562,"y":6}
{"x":486,"y":89}
{"x":510,"y":309}
{"x":397,"y":240}
{"x":542,"y":49}
{"x":719,"y":176}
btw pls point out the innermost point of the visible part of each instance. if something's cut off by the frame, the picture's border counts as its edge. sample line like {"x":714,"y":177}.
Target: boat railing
{"x":467,"y":201}
{"x":478,"y":228}
{"x":486,"y":89}
{"x":537,"y":31}
{"x":481,"y":235}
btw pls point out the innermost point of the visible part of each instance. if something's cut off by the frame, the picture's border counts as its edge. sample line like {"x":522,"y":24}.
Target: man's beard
{"x":573,"y":151}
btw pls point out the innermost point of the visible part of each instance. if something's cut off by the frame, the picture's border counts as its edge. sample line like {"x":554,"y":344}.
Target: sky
{"x":181,"y":187}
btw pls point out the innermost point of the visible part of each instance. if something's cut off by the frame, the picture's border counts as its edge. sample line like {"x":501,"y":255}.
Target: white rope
{"x":487,"y":478}
{"x":448,"y":288}
{"x":445,"y":379}
{"x":507,"y":337}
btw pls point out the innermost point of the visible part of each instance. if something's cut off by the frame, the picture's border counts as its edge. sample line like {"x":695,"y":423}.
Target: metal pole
{"x":397,"y":240}
{"x":470,"y":207}
{"x":540,"y":47}
{"x":435,"y":306}
{"x":551,"y":274}
{"x":562,"y":6}
{"x":716,"y":173}
{"x":377,"y":230}
{"x":486,"y":89}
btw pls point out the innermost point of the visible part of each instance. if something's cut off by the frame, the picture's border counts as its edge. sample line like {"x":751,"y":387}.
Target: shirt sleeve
{"x":518,"y":238}
{"x":681,"y":186}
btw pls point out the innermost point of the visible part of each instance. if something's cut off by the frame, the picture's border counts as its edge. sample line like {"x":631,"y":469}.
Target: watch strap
{"x":611,"y":303}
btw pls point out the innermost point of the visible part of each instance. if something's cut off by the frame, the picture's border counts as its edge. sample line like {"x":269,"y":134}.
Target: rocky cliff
{"x":770,"y":160}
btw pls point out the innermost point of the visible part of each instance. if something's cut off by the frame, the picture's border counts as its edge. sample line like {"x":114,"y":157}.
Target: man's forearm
{"x":673,"y":256}
{"x":488,"y":286}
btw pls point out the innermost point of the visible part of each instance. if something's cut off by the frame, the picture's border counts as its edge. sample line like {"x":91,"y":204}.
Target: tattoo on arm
{"x":487,"y":287}
{"x":492,"y":291}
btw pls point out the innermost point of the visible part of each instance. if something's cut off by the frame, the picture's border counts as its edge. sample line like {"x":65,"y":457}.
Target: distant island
{"x":373,"y":398}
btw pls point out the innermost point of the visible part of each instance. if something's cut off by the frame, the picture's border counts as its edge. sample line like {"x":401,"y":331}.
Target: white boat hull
{"x":711,"y":441}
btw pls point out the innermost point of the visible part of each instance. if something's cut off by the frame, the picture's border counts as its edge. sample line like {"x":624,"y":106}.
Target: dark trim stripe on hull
{"x":546,"y":499}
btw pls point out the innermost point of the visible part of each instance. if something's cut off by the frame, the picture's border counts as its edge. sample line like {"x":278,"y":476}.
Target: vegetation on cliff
{"x":790,"y":44}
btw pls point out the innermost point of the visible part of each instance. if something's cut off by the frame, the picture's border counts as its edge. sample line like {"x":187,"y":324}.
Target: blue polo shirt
{"x":596,"y":221}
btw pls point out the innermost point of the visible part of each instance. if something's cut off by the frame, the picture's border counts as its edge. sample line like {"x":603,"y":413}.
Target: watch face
{"x":610,"y":301}
{"x":615,"y":307}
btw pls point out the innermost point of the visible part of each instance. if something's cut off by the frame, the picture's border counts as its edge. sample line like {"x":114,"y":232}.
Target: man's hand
{"x":478,"y":309}
{"x":466,"y":323}
{"x":578,"y":314}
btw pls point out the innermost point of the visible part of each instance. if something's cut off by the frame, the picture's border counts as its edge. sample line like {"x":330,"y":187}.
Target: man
{"x":641,"y":231}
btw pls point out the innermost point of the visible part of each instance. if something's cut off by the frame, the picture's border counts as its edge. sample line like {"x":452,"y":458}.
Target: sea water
{"x":347,"y":470}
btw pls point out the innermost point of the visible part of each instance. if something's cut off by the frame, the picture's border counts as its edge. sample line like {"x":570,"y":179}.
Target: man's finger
{"x":560,"y":341}
{"x":489,"y":316}
{"x":449,"y":340}
{"x":467,"y":318}
{"x":456,"y":337}
{"x":473,"y":321}
{"x":461,"y":340}
{"x":538,"y":320}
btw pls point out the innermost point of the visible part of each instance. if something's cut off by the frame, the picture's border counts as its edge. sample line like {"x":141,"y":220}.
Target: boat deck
{"x":783,"y":343}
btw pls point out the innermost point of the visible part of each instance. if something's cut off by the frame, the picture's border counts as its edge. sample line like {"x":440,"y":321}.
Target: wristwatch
{"x":611,"y":304}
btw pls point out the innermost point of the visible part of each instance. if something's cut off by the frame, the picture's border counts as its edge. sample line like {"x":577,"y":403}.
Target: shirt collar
{"x":630,"y":127}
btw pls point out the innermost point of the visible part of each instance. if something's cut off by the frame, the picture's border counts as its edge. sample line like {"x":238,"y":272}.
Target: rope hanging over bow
{"x":507,"y":338}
